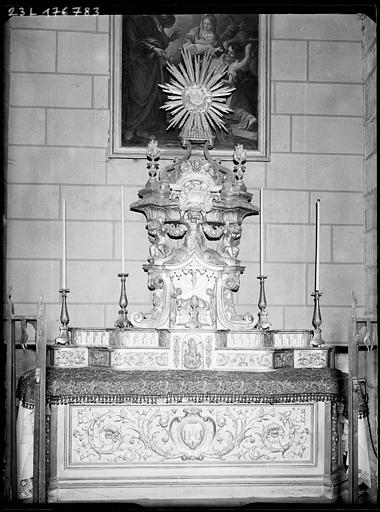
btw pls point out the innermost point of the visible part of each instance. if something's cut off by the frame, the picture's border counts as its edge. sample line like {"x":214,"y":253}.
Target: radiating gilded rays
{"x":197,"y":96}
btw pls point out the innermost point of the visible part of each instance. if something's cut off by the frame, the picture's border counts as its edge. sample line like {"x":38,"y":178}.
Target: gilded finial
{"x":153,"y":156}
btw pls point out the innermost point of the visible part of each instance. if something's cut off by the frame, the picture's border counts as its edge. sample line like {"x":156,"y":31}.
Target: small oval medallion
{"x":192,"y":434}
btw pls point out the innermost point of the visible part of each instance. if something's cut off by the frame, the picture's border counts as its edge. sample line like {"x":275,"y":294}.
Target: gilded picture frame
{"x":241,"y":41}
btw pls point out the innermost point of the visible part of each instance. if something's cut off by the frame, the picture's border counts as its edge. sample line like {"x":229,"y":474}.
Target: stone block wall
{"x":316,"y":152}
{"x":58,"y":148}
{"x":370,"y":161}
{"x":5,"y":105}
{"x":368,"y":362}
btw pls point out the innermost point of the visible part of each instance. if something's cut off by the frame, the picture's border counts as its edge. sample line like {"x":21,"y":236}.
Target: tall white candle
{"x":261,"y":233}
{"x":317,"y":236}
{"x":64,"y":283}
{"x":122,"y":230}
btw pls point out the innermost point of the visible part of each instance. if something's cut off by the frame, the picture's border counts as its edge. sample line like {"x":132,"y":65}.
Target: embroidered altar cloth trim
{"x":107,"y":385}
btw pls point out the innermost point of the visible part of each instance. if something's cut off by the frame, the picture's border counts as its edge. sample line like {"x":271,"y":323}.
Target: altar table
{"x":190,"y":436}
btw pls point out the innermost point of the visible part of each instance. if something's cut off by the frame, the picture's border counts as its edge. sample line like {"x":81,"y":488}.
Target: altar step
{"x":143,"y":349}
{"x":149,"y":338}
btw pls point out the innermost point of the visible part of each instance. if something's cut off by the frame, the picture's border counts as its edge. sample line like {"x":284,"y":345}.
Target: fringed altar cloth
{"x":110,"y":386}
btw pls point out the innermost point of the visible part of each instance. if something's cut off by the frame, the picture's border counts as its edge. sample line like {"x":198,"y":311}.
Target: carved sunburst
{"x":197,"y":97}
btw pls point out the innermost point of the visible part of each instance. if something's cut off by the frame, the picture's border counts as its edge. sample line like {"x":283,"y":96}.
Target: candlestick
{"x":122,"y":230}
{"x":64,"y":284}
{"x":317,"y":221}
{"x":317,"y":340}
{"x":122,"y":321}
{"x":261,"y":233}
{"x":64,"y":337}
{"x":263,"y":322}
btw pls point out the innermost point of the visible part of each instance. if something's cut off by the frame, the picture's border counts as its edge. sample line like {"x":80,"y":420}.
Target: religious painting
{"x":144,"y":47}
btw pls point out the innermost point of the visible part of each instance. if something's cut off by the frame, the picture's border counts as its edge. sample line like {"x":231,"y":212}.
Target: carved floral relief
{"x":141,"y":359}
{"x":71,"y":356}
{"x":310,"y":358}
{"x":191,"y":434}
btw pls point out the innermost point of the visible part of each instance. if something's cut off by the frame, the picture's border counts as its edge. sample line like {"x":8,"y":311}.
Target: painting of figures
{"x":149,"y":42}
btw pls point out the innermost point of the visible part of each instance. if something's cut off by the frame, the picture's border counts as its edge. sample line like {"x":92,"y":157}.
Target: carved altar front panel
{"x":261,"y":360}
{"x":177,"y":454}
{"x":140,"y":359}
{"x":310,"y":358}
{"x":207,"y":434}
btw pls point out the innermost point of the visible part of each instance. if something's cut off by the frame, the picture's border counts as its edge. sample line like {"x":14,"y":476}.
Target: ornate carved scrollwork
{"x":334,"y":436}
{"x":213,"y":232}
{"x":176,"y":230}
{"x":189,"y":206}
{"x":191,"y":434}
{"x":157,"y":316}
{"x":228,"y":318}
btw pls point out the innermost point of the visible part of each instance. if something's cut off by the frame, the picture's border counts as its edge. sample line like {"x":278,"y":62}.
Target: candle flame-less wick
{"x":261,"y":249}
{"x":122,"y":231}
{"x":64,"y":263}
{"x":317,"y":243}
